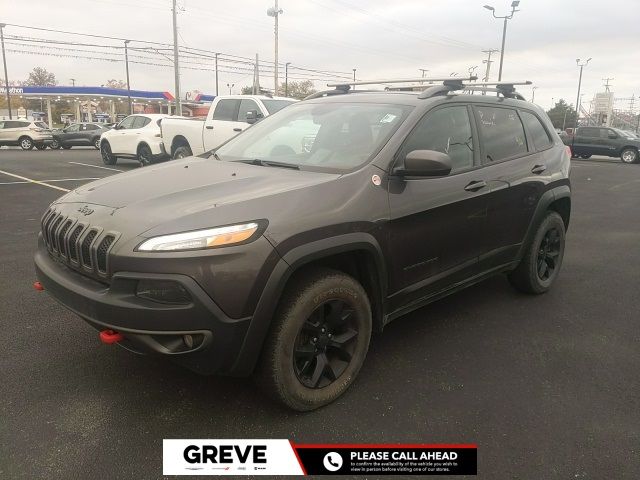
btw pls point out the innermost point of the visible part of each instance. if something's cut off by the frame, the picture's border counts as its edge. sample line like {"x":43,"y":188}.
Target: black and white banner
{"x":283,"y":457}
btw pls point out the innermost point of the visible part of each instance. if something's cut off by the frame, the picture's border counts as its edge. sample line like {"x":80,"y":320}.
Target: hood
{"x":185,"y":188}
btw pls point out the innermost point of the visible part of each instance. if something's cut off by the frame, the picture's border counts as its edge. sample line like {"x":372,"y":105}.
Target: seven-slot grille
{"x":81,"y":246}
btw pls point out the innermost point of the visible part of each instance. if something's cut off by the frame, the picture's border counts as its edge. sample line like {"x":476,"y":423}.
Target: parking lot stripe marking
{"x":53,"y":180}
{"x":30,"y":180}
{"x":97,"y":166}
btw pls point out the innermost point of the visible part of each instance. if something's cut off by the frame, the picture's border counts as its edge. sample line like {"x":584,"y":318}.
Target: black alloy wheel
{"x":145,"y":157}
{"x":107,"y":156}
{"x":548,"y":254}
{"x":55,"y":144}
{"x":325,"y":345}
{"x":96,"y":143}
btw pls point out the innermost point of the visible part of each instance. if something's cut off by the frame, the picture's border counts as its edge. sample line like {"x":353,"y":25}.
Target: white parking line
{"x":97,"y":166}
{"x":31,"y":180}
{"x":54,"y":180}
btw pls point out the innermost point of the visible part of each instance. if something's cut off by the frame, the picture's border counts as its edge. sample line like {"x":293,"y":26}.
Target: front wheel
{"x":585,"y":156}
{"x":542,"y":259}
{"x":318,"y":340}
{"x":629,"y":155}
{"x":182,"y":152}
{"x":26,"y":143}
{"x":54,"y":145}
{"x":145,"y":157}
{"x":107,"y":156}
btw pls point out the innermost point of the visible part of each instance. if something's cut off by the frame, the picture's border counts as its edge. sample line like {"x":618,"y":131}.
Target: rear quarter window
{"x":539,"y":135}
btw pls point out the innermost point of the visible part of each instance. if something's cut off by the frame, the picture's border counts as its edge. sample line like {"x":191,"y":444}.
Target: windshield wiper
{"x":270,"y":163}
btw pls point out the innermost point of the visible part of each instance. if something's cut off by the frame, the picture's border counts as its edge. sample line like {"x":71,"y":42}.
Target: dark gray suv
{"x":281,"y":252}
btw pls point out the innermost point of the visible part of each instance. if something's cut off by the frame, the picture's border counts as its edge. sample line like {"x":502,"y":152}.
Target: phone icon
{"x":332,"y":461}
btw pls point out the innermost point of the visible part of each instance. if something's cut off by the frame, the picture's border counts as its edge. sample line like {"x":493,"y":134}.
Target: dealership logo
{"x":332,"y":461}
{"x":86,"y":210}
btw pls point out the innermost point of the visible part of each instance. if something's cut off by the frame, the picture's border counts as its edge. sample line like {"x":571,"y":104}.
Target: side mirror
{"x":425,"y":163}
{"x":252,"y":117}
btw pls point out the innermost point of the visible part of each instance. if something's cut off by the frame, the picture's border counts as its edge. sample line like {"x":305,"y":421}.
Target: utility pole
{"x":533,"y":95}
{"x":606,"y":83}
{"x":514,"y":5}
{"x":424,"y":72}
{"x":488,"y":61}
{"x":6,"y":75}
{"x":275,"y":13}
{"x":176,"y":64}
{"x":286,"y":79}
{"x":217,"y":74}
{"x":126,"y":61}
{"x":354,"y":78}
{"x":581,"y":65}
{"x":230,"y":85}
{"x":564,"y":121}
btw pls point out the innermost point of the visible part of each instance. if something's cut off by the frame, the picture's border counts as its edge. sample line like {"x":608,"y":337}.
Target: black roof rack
{"x":448,"y":85}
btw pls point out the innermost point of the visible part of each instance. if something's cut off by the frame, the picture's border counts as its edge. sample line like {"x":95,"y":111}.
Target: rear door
{"x":436,"y":222}
{"x":68,"y":134}
{"x":220,"y":127}
{"x":587,"y":141}
{"x":516,"y":162}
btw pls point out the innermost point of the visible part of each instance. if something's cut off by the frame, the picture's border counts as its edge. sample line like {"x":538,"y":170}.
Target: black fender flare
{"x":288,"y":264}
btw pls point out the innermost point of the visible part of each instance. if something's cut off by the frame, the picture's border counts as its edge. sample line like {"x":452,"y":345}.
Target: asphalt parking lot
{"x":547,"y":387}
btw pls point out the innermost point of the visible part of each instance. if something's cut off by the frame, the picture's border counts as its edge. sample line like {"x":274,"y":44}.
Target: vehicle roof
{"x":259,"y":97}
{"x":150,"y":115}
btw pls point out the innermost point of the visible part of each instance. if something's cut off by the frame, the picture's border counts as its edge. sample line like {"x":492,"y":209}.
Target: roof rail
{"x":401,"y":80}
{"x":507,"y":89}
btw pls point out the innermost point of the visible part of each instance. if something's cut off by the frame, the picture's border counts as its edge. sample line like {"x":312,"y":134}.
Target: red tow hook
{"x":38,"y":286}
{"x":110,"y":337}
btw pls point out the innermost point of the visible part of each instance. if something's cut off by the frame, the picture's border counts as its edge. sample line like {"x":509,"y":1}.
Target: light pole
{"x":533,"y":94}
{"x":514,"y":5}
{"x":217,"y":74}
{"x":73,"y":82}
{"x":354,"y":78}
{"x":6,"y":75}
{"x":275,"y":13}
{"x":581,"y":65}
{"x":286,"y":79}
{"x":126,"y":61}
{"x":176,"y":65}
{"x":230,"y":85}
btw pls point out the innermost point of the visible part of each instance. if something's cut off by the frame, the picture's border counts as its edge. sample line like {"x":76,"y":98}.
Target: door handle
{"x":209,"y":127}
{"x":475,"y":186}
{"x":237,"y":129}
{"x":538,"y":169}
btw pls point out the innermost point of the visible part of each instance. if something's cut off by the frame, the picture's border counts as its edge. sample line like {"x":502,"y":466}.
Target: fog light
{"x":163,"y":291}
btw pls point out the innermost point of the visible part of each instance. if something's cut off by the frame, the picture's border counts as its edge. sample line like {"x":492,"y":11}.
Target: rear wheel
{"x":107,"y":157}
{"x":318,"y":341}
{"x":182,"y":152}
{"x":585,"y":156}
{"x":629,"y":155}
{"x":145,"y":157}
{"x":26,"y":143}
{"x":96,"y":143}
{"x":55,"y":144}
{"x":542,"y":260}
{"x":41,"y":146}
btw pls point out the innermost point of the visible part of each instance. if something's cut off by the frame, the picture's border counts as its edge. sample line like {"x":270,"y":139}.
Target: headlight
{"x":210,"y":238}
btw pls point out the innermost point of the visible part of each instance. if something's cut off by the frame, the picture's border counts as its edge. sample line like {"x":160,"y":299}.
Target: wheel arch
{"x":179,"y":141}
{"x":142,"y":143}
{"x":356,"y":254}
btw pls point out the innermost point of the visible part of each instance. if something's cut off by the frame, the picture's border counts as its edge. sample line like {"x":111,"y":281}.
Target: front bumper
{"x":148,"y":326}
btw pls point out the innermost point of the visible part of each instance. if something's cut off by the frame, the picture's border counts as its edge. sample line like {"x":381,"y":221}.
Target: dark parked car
{"x":281,"y":252}
{"x":607,"y":141}
{"x":77,"y":135}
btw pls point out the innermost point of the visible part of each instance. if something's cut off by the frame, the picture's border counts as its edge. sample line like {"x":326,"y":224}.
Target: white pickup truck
{"x":228,"y":116}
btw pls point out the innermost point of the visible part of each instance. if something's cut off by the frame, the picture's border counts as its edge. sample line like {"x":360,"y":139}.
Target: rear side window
{"x":92,"y":127}
{"x":140,"y":122}
{"x":538,"y":133}
{"x":227,"y":110}
{"x":446,"y":130}
{"x":501,"y":132}
{"x":589,"y":132}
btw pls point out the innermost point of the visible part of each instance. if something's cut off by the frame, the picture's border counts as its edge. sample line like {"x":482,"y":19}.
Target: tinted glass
{"x":501,"y":132}
{"x":274,"y":106}
{"x":605,"y":132}
{"x":446,"y":130}
{"x":92,"y":127}
{"x":140,"y":122}
{"x":226,"y":110}
{"x":245,"y":106}
{"x":322,"y":137}
{"x":589,"y":132}
{"x":127,"y":122}
{"x":539,"y":135}
{"x":72,"y":128}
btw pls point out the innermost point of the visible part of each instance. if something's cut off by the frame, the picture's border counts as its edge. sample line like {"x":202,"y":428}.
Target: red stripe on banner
{"x":375,"y":445}
{"x":293,"y":447}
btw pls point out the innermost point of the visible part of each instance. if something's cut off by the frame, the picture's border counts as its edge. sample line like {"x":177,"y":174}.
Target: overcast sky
{"x":380,"y":38}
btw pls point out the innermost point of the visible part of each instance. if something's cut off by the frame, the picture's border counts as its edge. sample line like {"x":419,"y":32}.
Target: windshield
{"x":326,"y":136}
{"x":274,"y":106}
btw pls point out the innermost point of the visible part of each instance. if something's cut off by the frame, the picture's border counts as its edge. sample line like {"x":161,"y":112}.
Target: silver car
{"x":25,"y":133}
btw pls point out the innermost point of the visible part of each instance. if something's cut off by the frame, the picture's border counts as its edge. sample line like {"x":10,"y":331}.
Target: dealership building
{"x":98,"y":104}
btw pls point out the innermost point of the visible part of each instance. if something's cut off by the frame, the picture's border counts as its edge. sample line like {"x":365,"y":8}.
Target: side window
{"x":605,"y":132}
{"x":91,"y":126}
{"x":1,"y":125}
{"x":140,"y":122}
{"x":502,"y":133}
{"x":73,"y":128}
{"x":127,"y":122}
{"x":446,"y":130}
{"x":589,"y":132}
{"x":226,"y":110}
{"x":83,"y":128}
{"x":539,"y":135}
{"x":245,"y":106}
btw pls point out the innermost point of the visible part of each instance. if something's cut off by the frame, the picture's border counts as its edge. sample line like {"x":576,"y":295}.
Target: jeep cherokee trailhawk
{"x":280,"y":252}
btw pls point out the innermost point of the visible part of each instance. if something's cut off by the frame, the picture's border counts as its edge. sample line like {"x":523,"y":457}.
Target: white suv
{"x":25,"y":133}
{"x":137,"y":137}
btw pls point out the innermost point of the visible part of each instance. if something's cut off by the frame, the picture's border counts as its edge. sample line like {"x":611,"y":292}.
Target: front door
{"x":219,"y":128}
{"x":435,"y":226}
{"x":118,"y":140}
